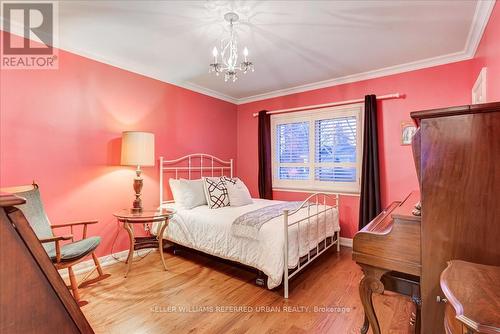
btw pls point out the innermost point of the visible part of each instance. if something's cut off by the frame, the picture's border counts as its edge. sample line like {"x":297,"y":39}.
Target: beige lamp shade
{"x":138,"y":148}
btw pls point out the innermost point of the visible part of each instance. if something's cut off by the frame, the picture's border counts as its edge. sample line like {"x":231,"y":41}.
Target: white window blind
{"x":293,"y":150}
{"x":318,"y":149}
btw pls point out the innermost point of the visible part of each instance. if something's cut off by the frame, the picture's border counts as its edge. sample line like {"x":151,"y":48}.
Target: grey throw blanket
{"x":248,"y":224}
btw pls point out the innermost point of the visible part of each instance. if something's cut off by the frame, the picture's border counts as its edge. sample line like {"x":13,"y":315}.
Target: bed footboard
{"x":316,"y":205}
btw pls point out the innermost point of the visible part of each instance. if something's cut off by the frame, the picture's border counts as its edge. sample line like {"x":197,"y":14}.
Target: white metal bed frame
{"x":217,"y":167}
{"x":214,"y":165}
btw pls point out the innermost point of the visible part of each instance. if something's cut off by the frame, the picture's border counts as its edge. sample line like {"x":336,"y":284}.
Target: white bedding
{"x":209,"y":231}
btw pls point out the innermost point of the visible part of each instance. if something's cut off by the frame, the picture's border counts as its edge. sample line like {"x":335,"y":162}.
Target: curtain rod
{"x":331,"y":104}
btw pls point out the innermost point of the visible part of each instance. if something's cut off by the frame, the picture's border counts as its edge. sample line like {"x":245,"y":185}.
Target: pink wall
{"x":434,"y":87}
{"x":63,"y":127}
{"x":488,"y":55}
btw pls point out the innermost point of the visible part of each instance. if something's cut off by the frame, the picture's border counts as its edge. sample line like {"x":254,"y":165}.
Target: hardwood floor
{"x":187,"y":299}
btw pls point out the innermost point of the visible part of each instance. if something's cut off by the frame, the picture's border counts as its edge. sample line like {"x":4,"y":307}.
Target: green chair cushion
{"x":76,"y":250}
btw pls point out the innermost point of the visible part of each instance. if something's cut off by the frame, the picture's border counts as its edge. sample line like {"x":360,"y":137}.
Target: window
{"x":318,"y":149}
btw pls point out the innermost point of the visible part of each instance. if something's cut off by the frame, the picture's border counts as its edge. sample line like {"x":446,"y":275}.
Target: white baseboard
{"x":105,"y":261}
{"x":346,"y":242}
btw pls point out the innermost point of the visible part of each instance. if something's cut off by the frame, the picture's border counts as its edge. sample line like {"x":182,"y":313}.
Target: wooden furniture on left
{"x":34,"y":297}
{"x":388,"y":251}
{"x":472,"y":294}
{"x":129,"y":218}
{"x":64,"y":256}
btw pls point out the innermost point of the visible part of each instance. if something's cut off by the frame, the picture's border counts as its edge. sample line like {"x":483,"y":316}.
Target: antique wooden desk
{"x":472,"y":298}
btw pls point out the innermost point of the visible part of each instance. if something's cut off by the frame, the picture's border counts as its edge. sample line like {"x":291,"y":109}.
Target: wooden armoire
{"x":457,"y":153}
{"x":33,"y":297}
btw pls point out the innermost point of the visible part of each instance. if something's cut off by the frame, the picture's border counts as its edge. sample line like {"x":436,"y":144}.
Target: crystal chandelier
{"x":229,"y":54}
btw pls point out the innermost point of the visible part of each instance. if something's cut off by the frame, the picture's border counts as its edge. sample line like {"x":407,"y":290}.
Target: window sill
{"x":294,"y":190}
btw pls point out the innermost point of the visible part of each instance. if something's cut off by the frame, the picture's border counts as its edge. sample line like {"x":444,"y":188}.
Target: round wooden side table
{"x":146,"y":216}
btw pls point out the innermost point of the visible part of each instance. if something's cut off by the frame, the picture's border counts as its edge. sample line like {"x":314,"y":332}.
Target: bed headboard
{"x":193,"y":166}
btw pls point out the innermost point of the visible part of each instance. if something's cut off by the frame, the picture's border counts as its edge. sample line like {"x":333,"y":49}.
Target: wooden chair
{"x":62,"y":255}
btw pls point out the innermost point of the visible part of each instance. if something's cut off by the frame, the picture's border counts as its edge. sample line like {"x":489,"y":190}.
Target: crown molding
{"x":484,"y":8}
{"x":382,"y":72}
{"x":479,"y":23}
{"x":186,"y":85}
{"x":206,"y":91}
{"x":480,"y":20}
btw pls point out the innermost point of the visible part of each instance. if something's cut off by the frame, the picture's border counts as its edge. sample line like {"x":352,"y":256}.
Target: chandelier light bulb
{"x":215,"y":52}
{"x":245,"y":53}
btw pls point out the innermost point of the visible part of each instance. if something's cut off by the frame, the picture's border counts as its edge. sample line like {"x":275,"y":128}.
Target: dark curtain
{"x":369,"y":206}
{"x":265,"y":172}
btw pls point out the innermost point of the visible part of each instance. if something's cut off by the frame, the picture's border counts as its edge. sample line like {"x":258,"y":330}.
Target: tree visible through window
{"x":335,"y":143}
{"x":318,"y":149}
{"x":293,"y":147}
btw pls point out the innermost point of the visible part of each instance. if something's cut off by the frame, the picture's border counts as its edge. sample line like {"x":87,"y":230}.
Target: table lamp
{"x":138,"y":149}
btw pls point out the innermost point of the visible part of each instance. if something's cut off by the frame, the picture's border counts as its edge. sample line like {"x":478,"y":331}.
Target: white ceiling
{"x":292,"y":43}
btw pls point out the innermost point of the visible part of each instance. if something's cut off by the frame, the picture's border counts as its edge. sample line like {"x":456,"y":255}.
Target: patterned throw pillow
{"x":216,"y":192}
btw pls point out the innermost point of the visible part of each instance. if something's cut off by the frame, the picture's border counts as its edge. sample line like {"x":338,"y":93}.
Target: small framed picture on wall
{"x":408,"y":129}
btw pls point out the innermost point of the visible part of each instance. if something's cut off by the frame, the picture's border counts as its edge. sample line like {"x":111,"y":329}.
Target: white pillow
{"x":238,"y":192}
{"x":188,"y":194}
{"x":216,"y":192}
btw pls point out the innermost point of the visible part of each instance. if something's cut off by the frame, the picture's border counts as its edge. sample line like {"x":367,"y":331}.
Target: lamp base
{"x":137,"y":205}
{"x":136,"y":210}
